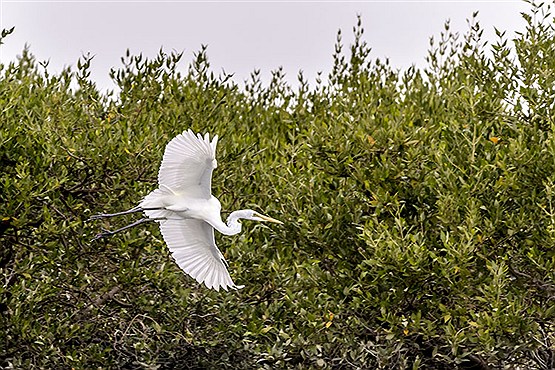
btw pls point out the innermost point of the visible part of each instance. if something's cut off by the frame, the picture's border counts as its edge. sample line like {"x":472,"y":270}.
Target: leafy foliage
{"x":418,"y":207}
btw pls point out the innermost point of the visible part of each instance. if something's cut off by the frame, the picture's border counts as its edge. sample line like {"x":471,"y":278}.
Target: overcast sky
{"x":241,"y":36}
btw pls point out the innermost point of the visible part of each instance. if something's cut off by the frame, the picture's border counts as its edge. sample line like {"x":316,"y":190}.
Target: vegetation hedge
{"x":419,"y":211}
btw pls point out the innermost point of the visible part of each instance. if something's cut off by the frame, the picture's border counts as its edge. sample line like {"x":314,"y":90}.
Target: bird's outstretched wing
{"x":188,"y":163}
{"x":192,"y":245}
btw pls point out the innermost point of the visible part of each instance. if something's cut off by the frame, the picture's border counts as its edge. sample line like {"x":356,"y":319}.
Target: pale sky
{"x":241,"y":36}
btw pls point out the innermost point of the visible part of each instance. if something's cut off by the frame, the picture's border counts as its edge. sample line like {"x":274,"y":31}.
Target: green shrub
{"x":418,"y":208}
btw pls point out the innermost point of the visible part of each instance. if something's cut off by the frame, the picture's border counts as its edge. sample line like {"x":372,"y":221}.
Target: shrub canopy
{"x":418,"y":207}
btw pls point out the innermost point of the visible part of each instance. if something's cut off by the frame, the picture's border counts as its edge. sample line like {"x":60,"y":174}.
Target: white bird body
{"x":187,"y":211}
{"x":178,"y":207}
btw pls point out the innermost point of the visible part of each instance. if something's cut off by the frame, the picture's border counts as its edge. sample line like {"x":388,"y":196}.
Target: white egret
{"x":188,"y":213}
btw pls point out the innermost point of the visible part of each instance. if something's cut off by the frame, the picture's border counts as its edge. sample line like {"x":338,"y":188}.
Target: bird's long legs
{"x":106,"y":215}
{"x":106,"y":233}
{"x":136,"y":209}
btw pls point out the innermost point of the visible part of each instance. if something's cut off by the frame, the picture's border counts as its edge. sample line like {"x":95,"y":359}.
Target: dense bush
{"x":418,"y":207}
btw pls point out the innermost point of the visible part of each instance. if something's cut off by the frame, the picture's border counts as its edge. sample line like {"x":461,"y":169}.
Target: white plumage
{"x":188,"y":213}
{"x":188,"y":164}
{"x":192,"y":245}
{"x":186,"y":171}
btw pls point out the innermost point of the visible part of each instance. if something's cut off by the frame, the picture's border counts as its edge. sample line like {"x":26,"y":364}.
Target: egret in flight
{"x":188,"y":213}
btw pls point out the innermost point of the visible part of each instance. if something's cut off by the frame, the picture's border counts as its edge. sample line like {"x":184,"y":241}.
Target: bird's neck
{"x":232,"y":227}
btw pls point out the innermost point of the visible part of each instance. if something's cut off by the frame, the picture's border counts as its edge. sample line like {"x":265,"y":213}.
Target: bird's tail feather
{"x":154,"y":203}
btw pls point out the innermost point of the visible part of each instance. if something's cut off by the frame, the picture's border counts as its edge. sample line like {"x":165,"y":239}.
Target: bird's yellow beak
{"x":266,"y":218}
